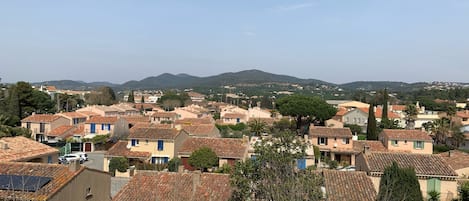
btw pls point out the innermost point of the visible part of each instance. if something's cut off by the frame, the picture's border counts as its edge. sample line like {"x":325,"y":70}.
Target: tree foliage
{"x":102,"y":96}
{"x":131,"y":98}
{"x":273,"y":174}
{"x":120,"y":164}
{"x":171,"y":100}
{"x":385,"y":105}
{"x":356,"y":129}
{"x":371,"y":128}
{"x":299,"y":106}
{"x":173,"y":164}
{"x":464,"y":191}
{"x":398,"y":184}
{"x":257,"y":127}
{"x":203,"y":159}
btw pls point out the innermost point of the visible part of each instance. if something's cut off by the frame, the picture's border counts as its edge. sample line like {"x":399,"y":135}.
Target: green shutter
{"x":430,"y":183}
{"x":423,"y":144}
{"x":437,"y":185}
{"x":415,"y":145}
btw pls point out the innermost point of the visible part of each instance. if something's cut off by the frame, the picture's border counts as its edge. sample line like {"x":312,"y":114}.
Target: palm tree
{"x":5,"y":130}
{"x":257,"y":126}
{"x":458,"y":137}
{"x":451,"y":111}
{"x":411,"y":115}
{"x":441,"y":129}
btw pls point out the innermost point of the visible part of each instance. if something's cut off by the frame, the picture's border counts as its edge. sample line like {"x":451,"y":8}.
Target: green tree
{"x":257,"y":127}
{"x":385,"y":105}
{"x":143,"y":99}
{"x":441,"y":129}
{"x":203,"y":159}
{"x":464,"y":191}
{"x":299,"y":106}
{"x":356,"y":129}
{"x":102,"y":96}
{"x":273,"y":175}
{"x":398,"y":184}
{"x":120,"y":164}
{"x":371,"y":129}
{"x":173,"y":164}
{"x":283,"y":124}
{"x":171,"y":100}
{"x":411,"y":114}
{"x":130,"y":98}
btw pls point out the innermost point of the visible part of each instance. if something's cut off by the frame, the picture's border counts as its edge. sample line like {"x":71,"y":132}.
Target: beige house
{"x":228,"y":150}
{"x":411,"y":141}
{"x":114,"y":126}
{"x":21,"y":149}
{"x":463,"y":117}
{"x":122,"y":149}
{"x":257,"y":112}
{"x":163,"y":144}
{"x":334,"y":143}
{"x":433,"y":173}
{"x":169,"y":186}
{"x":163,"y":117}
{"x":53,"y":182}
{"x":354,"y":104}
{"x":41,"y":124}
{"x":233,"y":118}
{"x":101,"y":110}
{"x":196,"y":97}
{"x":75,"y":118}
{"x":459,"y":161}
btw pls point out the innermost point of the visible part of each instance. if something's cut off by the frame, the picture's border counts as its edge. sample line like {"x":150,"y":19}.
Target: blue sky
{"x":335,"y":41}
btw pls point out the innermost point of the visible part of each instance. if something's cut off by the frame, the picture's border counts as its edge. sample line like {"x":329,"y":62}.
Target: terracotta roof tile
{"x":165,"y":114}
{"x":136,"y":119}
{"x":73,"y":115}
{"x":424,"y":164}
{"x":102,"y":120}
{"x":192,"y":121}
{"x":332,"y":132}
{"x":200,"y":130}
{"x":43,"y":118}
{"x":23,"y":149}
{"x":341,"y":111}
{"x":463,"y":114}
{"x":61,"y":130}
{"x":379,"y":113}
{"x":167,"y":186}
{"x":347,"y":185}
{"x":233,"y":115}
{"x":400,"y":134}
{"x":223,"y":147}
{"x":456,"y":159}
{"x":120,"y":149}
{"x":397,"y":107}
{"x":359,"y":145}
{"x":80,"y":130}
{"x":153,"y":133}
{"x":60,"y":176}
{"x":89,"y":113}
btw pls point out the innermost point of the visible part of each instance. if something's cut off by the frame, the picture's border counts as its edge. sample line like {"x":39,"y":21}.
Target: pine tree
{"x":130,"y":99}
{"x":371,"y":130}
{"x":399,"y":184}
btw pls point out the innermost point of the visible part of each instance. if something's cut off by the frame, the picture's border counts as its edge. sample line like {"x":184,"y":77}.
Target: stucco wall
{"x":331,"y":141}
{"x":409,"y":147}
{"x":152,"y":147}
{"x":98,"y":182}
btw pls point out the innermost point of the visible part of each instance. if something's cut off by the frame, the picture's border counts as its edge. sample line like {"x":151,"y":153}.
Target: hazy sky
{"x":335,"y":41}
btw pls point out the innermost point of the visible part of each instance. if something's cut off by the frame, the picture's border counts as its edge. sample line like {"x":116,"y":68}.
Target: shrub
{"x":120,"y":164}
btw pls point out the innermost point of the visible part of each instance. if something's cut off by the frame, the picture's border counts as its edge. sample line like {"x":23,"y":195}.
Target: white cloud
{"x":292,"y":7}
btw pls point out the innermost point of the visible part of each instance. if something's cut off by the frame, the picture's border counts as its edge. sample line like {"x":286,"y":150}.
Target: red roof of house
{"x":401,"y":134}
{"x":233,"y":115}
{"x":168,"y":186}
{"x":42,"y":118}
{"x":360,"y":145}
{"x":463,"y":114}
{"x":165,"y":114}
{"x":348,"y":185}
{"x":24,"y":149}
{"x":329,"y":132}
{"x":223,"y":147}
{"x":73,"y":115}
{"x":193,"y":121}
{"x":341,"y":111}
{"x":61,"y":130}
{"x":101,"y":120}
{"x":397,"y":107}
{"x":121,"y":149}
{"x":154,"y":133}
{"x":379,"y":113}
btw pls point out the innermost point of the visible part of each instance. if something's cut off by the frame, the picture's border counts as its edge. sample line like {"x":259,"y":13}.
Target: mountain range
{"x":179,"y":81}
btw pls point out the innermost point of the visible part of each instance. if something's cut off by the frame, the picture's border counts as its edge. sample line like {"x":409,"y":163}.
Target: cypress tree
{"x":130,"y":99}
{"x":143,"y":99}
{"x":385,"y":106}
{"x":399,"y":184}
{"x":371,"y":130}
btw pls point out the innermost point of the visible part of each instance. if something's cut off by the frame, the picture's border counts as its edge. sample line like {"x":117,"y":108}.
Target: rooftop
{"x":165,"y":114}
{"x":329,"y":132}
{"x":41,"y":118}
{"x":102,"y":120}
{"x":121,"y":149}
{"x":192,"y":121}
{"x":348,"y":185}
{"x":233,"y":115}
{"x":401,"y":134}
{"x":456,"y":159}
{"x":168,"y":186}
{"x":23,"y":149}
{"x":359,"y":145}
{"x":153,"y":133}
{"x":200,"y":130}
{"x":223,"y":147}
{"x":73,"y":115}
{"x":61,"y":130}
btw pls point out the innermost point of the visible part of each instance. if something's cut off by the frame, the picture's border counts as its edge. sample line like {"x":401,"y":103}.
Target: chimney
{"x":74,"y":165}
{"x":366,"y":150}
{"x":449,"y":153}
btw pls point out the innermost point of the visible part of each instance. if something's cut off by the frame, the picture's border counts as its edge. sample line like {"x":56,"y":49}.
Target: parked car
{"x":82,"y":155}
{"x":72,"y":157}
{"x":348,"y":168}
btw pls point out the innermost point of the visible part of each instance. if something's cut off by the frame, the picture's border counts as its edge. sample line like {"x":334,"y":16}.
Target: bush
{"x":173,"y":164}
{"x":464,"y":191}
{"x":440,"y":148}
{"x":203,"y":158}
{"x":120,"y":164}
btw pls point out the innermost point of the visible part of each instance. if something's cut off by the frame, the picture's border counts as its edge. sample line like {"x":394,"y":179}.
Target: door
{"x":153,"y":160}
{"x":93,"y":128}
{"x":87,"y":147}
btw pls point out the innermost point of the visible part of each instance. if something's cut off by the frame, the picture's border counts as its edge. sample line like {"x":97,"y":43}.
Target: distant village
{"x":185,"y":145}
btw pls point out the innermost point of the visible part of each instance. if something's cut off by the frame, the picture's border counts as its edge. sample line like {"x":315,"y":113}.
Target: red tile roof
{"x":165,"y":114}
{"x":329,"y":132}
{"x":154,"y":133}
{"x":359,"y":145}
{"x":121,"y":149}
{"x":101,"y":120}
{"x":463,"y":114}
{"x":347,"y":185}
{"x":88,"y":113}
{"x":424,"y":164}
{"x":41,"y":118}
{"x":73,"y":115}
{"x":136,"y":119}
{"x":223,"y":147}
{"x":233,"y":115}
{"x":400,"y":134}
{"x":61,"y":130}
{"x":168,"y":186}
{"x":80,"y":130}
{"x":397,"y":107}
{"x":341,"y":111}
{"x":60,"y":174}
{"x":379,"y":113}
{"x":201,"y":129}
{"x":456,"y":159}
{"x":192,"y":121}
{"x":195,"y":94}
{"x":24,"y":149}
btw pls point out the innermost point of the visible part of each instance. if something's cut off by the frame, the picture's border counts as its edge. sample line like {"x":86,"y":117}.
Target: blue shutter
{"x":160,"y":145}
{"x":134,"y":142}
{"x":165,"y":160}
{"x":301,"y":163}
{"x":153,"y":160}
{"x":93,"y":128}
{"x":108,"y":127}
{"x":237,"y":120}
{"x":102,"y":127}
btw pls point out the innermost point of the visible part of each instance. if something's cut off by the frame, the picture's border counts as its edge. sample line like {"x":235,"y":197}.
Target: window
{"x":28,"y":125}
{"x":49,"y":159}
{"x":108,"y":127}
{"x":394,"y":143}
{"x":345,"y":141}
{"x":433,"y":184}
{"x":42,"y":127}
{"x":134,"y":142}
{"x":75,"y":121}
{"x":405,"y":141}
{"x":322,"y":141}
{"x":159,"y":160}
{"x":464,"y":119}
{"x":102,"y":126}
{"x":146,"y":141}
{"x":418,"y":145}
{"x":160,"y":145}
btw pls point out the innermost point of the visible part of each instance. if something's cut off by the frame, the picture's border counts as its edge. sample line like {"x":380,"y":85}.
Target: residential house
{"x":122,"y":149}
{"x":228,"y":150}
{"x":21,"y":149}
{"x":424,"y":116}
{"x":458,"y":160}
{"x":334,"y":143}
{"x":257,"y":112}
{"x":332,"y":123}
{"x":54,"y":182}
{"x":163,"y":117}
{"x":201,"y":130}
{"x":75,"y":118}
{"x":163,"y":144}
{"x":233,"y":118}
{"x":114,"y":126}
{"x":355,"y":116}
{"x":462,"y":117}
{"x":353,"y":104}
{"x":433,"y":173}
{"x":194,"y":121}
{"x":61,"y":133}
{"x":101,"y":110}
{"x":196,"y":97}
{"x":125,"y":109}
{"x":412,"y":141}
{"x":41,"y":124}
{"x":348,"y":185}
{"x":170,"y":186}
{"x":183,"y":113}
{"x":370,"y":145}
